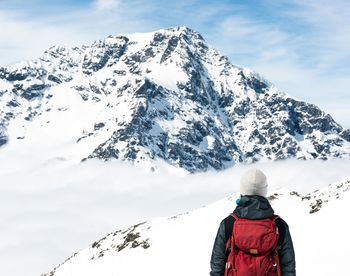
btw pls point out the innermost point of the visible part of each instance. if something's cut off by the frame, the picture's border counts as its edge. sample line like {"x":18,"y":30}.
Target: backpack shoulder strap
{"x":234,"y":215}
{"x":281,"y":226}
{"x":229,"y":221}
{"x":276,"y":219}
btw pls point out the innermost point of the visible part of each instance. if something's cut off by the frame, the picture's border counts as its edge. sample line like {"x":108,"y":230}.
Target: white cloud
{"x":24,"y":38}
{"x":328,"y":24}
{"x":106,"y":4}
{"x":246,"y":39}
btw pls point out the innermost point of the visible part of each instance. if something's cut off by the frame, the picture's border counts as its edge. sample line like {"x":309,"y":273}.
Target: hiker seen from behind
{"x":253,"y":241}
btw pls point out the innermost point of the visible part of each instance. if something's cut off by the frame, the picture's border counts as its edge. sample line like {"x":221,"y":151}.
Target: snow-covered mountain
{"x":165,"y":94}
{"x":181,"y":245}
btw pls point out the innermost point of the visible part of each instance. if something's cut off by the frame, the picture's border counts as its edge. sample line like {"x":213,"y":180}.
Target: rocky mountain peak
{"x":163,"y":95}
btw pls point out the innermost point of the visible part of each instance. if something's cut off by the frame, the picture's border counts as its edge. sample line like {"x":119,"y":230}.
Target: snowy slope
{"x":160,"y":95}
{"x":181,"y":245}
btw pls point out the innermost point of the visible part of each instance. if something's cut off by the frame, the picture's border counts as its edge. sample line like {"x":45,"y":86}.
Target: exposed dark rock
{"x":106,"y":53}
{"x":12,"y":103}
{"x":345,"y":135}
{"x":172,"y":44}
{"x":3,"y":139}
{"x":98,"y":126}
{"x":316,"y":206}
{"x":17,"y":76}
{"x":34,"y":91}
{"x":243,"y":108}
{"x":252,"y":82}
{"x":54,"y":79}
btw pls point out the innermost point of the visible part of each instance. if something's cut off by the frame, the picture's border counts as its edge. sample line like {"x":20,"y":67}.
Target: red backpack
{"x":252,"y":248}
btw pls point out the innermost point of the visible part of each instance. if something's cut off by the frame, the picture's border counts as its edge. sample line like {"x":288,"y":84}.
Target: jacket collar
{"x":254,"y":207}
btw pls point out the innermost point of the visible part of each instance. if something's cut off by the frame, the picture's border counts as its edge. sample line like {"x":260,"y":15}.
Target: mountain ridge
{"x":167,"y":94}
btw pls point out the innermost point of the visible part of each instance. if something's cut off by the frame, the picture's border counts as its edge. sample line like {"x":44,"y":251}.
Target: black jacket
{"x":253,"y":207}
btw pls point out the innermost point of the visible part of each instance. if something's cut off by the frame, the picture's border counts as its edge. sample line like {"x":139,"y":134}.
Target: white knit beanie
{"x":253,"y":182}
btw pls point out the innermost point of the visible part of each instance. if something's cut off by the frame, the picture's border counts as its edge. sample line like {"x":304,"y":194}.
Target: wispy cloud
{"x":26,"y":37}
{"x":328,"y":24}
{"x":106,"y":4}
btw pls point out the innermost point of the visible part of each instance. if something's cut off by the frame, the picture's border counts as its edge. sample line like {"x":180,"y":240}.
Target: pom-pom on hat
{"x":253,"y":182}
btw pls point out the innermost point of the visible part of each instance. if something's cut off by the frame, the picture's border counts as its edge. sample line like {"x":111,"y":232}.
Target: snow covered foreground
{"x":51,"y":209}
{"x":181,"y":245}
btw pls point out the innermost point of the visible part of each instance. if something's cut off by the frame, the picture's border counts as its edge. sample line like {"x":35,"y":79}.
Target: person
{"x":253,"y":205}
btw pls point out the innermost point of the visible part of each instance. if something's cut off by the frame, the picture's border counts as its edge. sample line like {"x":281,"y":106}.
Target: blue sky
{"x":301,"y":46}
